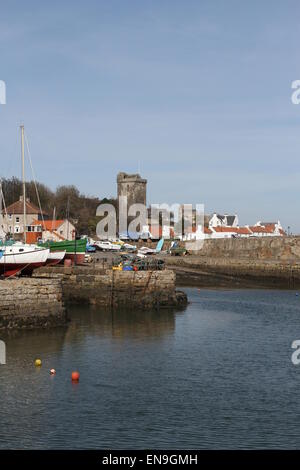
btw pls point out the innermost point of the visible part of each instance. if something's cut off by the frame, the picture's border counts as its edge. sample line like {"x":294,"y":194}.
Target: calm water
{"x":217,"y":375}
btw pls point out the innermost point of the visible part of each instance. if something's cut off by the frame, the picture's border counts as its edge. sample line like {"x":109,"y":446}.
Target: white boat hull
{"x":22,"y":259}
{"x":107,"y":246}
{"x":55,"y":257}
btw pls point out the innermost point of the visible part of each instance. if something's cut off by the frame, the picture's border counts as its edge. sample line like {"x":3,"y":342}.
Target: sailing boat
{"x":21,"y":258}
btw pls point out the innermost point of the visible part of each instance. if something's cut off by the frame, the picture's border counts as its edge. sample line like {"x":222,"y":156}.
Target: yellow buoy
{"x":37,"y":362}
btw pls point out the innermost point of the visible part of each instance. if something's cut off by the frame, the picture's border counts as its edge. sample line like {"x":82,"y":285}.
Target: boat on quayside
{"x":55,"y":257}
{"x":21,"y":259}
{"x":74,"y":249}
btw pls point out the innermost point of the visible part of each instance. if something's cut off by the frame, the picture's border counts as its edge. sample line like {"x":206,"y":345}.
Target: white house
{"x":226,"y":226}
{"x":218,"y":220}
{"x":196,"y":233}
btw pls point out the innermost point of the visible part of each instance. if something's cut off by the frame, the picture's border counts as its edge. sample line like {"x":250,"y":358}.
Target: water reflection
{"x":86,"y":325}
{"x":38,"y":342}
{"x":37,"y":409}
{"x":121,"y":324}
{"x":218,"y":375}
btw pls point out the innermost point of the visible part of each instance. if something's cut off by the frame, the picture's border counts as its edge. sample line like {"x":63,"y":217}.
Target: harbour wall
{"x":241,"y":262}
{"x":258,"y":248}
{"x":206,"y":272}
{"x":31,"y":303}
{"x":97,"y":285}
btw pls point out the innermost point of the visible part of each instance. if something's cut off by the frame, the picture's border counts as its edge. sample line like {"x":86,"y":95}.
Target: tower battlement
{"x":133,"y":186}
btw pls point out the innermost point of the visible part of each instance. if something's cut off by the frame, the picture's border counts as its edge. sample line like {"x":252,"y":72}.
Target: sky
{"x":194,"y":94}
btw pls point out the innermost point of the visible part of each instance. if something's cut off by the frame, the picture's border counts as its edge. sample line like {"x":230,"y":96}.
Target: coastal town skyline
{"x":132,"y":187}
{"x":131,"y":92}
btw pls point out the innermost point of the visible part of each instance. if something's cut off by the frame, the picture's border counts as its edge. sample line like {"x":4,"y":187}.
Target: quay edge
{"x":96,"y":285}
{"x":31,"y":303}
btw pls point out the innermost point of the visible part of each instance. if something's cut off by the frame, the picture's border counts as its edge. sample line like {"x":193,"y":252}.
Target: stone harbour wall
{"x":31,"y":303}
{"x":253,"y":248}
{"x":241,"y":262}
{"x":225,"y":272}
{"x":108,"y":288}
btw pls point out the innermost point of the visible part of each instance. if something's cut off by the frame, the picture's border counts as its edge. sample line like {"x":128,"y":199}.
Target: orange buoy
{"x":52,"y":371}
{"x":75,"y":376}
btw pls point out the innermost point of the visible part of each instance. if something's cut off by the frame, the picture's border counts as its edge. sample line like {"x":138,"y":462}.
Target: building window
{"x":17,"y":220}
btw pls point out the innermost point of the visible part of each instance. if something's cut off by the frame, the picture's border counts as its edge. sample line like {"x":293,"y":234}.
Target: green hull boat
{"x":75,"y":249}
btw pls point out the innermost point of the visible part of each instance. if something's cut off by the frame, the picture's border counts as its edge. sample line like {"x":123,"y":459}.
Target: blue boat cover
{"x":159,"y":245}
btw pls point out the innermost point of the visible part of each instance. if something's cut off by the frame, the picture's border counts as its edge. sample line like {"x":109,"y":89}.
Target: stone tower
{"x":132,"y":186}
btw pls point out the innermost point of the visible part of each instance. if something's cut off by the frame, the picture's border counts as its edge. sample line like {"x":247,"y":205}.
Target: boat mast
{"x":68,"y":216}
{"x":0,"y":196}
{"x":23,"y":180}
{"x":53,"y":218}
{"x":1,"y":208}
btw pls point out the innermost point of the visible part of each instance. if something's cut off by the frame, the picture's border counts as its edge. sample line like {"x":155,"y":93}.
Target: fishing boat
{"x":74,"y":249}
{"x":21,"y":259}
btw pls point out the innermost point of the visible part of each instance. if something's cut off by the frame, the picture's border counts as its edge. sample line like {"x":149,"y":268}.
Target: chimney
{"x":21,"y":199}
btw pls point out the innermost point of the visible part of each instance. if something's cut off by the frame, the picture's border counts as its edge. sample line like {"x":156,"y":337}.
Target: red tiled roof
{"x":269,"y":226}
{"x":225,"y":229}
{"x":260,"y":229}
{"x":48,"y":224}
{"x":244,"y":231}
{"x":17,"y":208}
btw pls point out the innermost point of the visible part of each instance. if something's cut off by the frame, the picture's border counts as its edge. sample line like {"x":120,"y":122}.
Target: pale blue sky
{"x":198,"y":93}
